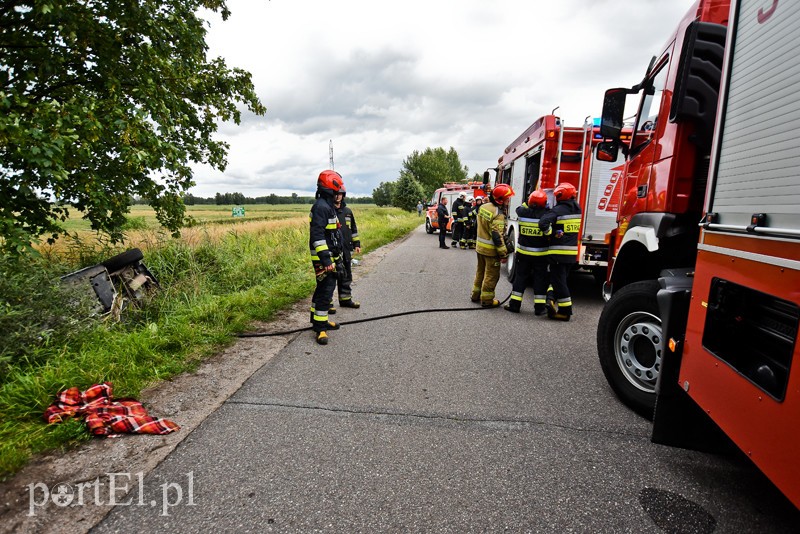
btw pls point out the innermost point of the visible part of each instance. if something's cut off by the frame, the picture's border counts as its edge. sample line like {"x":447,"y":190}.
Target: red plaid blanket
{"x":104,"y":415}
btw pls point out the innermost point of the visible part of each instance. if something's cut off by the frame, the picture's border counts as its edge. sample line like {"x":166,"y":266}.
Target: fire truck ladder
{"x":581,"y":153}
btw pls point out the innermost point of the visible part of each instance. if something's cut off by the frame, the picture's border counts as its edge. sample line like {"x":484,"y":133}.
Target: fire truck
{"x":548,"y":153}
{"x":700,"y":332}
{"x":450,"y":191}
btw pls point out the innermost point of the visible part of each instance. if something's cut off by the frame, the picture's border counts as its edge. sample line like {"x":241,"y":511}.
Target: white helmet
{"x":470,"y":199}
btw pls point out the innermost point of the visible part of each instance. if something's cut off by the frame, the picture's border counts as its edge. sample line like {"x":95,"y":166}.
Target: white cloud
{"x":382,"y":79}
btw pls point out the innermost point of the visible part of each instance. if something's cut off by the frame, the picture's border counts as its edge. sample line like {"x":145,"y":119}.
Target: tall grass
{"x":216,"y":280}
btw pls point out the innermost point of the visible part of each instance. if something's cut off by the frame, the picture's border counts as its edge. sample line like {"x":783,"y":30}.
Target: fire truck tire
{"x":511,"y":264}
{"x":428,"y":225}
{"x":629,"y":345}
{"x":119,"y":261}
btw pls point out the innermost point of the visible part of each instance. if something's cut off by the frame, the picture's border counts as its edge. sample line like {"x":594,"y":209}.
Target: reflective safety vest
{"x":533,"y":240}
{"x":491,"y":227}
{"x":565,"y":221}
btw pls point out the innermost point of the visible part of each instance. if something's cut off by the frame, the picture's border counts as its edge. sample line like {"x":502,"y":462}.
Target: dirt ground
{"x":187,"y":399}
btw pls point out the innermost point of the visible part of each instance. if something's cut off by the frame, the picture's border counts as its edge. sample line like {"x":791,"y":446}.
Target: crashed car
{"x":117,"y":282}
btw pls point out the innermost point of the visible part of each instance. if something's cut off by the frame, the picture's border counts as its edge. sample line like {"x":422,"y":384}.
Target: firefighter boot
{"x":349,"y":303}
{"x":333,"y":326}
{"x":322,"y":338}
{"x":539,"y":309}
{"x":494,"y":303}
{"x":513,"y":306}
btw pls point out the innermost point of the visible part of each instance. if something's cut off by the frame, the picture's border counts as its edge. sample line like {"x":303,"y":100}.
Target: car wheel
{"x":120,"y":261}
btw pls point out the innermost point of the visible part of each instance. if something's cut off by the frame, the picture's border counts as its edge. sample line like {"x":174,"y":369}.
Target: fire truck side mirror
{"x":607,"y":151}
{"x":485,"y":177}
{"x":613,"y":112}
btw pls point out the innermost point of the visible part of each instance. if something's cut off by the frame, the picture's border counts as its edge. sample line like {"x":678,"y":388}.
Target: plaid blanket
{"x":104,"y":415}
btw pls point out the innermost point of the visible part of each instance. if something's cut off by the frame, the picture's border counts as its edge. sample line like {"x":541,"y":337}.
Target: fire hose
{"x":368,"y":319}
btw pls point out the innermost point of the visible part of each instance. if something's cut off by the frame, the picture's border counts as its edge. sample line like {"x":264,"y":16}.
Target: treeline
{"x":223,"y":199}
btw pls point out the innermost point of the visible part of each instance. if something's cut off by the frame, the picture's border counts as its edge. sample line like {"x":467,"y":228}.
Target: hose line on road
{"x":368,"y":319}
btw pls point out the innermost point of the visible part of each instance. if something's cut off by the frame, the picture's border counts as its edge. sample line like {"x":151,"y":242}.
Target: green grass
{"x":210,"y":292}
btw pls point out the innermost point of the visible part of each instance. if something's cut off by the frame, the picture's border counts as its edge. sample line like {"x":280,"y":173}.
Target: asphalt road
{"x":458,"y":421}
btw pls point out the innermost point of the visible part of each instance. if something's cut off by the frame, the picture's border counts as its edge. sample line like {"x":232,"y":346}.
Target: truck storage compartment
{"x":753,"y":332}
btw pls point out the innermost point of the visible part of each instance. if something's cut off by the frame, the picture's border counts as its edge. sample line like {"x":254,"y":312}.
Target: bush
{"x":36,"y":310}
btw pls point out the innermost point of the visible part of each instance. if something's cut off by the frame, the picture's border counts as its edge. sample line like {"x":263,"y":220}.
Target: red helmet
{"x":330,"y":181}
{"x":537,"y":199}
{"x":565,"y":191}
{"x":502,"y":193}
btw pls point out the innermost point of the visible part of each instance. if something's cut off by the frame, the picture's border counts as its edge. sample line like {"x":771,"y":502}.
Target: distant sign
{"x":238,"y":211}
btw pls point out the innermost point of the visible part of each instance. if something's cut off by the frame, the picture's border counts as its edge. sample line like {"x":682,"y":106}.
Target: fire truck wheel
{"x":428,"y":225}
{"x":511,"y":265}
{"x":629,"y":345}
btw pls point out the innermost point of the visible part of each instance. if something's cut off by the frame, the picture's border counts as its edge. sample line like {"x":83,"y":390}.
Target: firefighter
{"x":350,"y":243}
{"x":471,"y":225}
{"x":326,"y":248}
{"x":459,"y":214}
{"x":442,"y":216}
{"x":531,"y":254}
{"x":491,"y":247}
{"x":564,"y":220}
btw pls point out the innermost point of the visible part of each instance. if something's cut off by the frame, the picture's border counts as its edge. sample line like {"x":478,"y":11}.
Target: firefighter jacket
{"x":533,"y":241}
{"x":349,"y":229}
{"x":491,"y":228}
{"x":472,"y":215}
{"x":564,"y":219}
{"x":442,"y":215}
{"x":325,"y":240}
{"x":460,"y":210}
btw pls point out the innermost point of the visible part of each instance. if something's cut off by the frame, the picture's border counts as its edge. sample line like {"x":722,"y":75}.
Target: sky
{"x":381,"y":80}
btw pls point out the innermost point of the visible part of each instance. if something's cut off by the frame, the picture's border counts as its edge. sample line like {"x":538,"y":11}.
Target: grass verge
{"x":213,"y":288}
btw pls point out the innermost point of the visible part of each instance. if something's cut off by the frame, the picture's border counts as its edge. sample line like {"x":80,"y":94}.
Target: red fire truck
{"x":703,"y":318}
{"x":549,"y":153}
{"x":450,"y":191}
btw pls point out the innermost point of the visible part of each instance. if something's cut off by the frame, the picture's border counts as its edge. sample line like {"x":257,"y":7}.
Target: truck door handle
{"x":641,"y":191}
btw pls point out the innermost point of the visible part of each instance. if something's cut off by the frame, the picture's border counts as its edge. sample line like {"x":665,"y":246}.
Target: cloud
{"x":384,"y":79}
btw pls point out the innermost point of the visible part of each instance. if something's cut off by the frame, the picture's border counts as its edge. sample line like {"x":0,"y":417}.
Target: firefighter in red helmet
{"x":565,"y":222}
{"x":531,"y":254}
{"x":326,"y":248}
{"x":491,"y":246}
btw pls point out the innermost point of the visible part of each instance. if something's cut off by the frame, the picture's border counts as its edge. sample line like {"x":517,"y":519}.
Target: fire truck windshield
{"x":652,"y":96}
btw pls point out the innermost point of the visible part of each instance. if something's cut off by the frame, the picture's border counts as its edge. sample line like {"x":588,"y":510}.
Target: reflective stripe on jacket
{"x":532,"y":240}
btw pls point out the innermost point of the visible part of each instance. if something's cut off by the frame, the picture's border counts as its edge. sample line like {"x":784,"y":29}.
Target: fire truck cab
{"x":548,"y":153}
{"x":450,"y":191}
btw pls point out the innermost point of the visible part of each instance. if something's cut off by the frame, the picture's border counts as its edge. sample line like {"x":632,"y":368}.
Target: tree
{"x":103,"y":100}
{"x":383,"y":194}
{"x":407,"y":192}
{"x":435,"y":166}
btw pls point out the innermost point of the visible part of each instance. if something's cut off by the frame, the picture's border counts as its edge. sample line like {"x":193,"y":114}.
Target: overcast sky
{"x":382,"y":79}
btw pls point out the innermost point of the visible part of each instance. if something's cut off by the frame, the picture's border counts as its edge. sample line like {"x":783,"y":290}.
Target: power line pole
{"x":330,"y":151}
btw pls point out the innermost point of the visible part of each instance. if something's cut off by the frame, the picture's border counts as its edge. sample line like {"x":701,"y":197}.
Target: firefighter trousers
{"x":345,"y":278}
{"x":458,"y":233}
{"x":486,"y":278}
{"x":530,"y":268}
{"x":558,"y":279}
{"x":321,"y":301}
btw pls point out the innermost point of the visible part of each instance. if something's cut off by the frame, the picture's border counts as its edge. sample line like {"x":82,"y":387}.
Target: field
{"x":219,"y":277}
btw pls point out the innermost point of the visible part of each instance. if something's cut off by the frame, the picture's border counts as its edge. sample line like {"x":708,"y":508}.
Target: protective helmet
{"x":565,"y":191}
{"x":537,"y":199}
{"x":330,"y":182}
{"x":462,"y":195}
{"x":502,"y":193}
{"x":470,"y":199}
